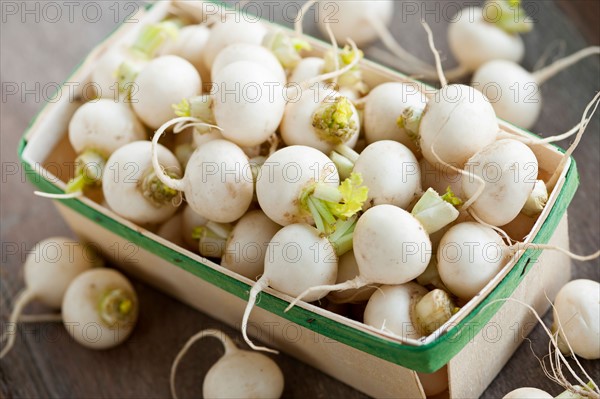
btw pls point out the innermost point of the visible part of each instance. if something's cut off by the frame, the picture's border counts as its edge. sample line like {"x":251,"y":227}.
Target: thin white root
{"x":355,"y":283}
{"x":22,"y":300}
{"x":300,"y":19}
{"x":505,"y":236}
{"x":566,"y":341}
{"x":560,"y":45}
{"x":334,"y":48}
{"x":468,"y":201}
{"x":259,"y":286}
{"x":228,"y":344}
{"x":64,"y":196}
{"x":436,"y":54}
{"x":585,"y":120}
{"x":179,"y":124}
{"x":332,"y":75}
{"x":546,"y":73}
{"x":560,"y":357}
{"x":381,"y":55}
{"x":410,"y":63}
{"x":524,"y":246}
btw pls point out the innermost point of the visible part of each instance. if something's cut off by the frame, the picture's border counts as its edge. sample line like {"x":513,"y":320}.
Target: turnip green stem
{"x":117,"y":306}
{"x":344,"y":159}
{"x":410,"y":120}
{"x":347,"y":56}
{"x":508,"y":15}
{"x":155,"y":190}
{"x":327,"y":204}
{"x":433,"y":310}
{"x":341,"y":238}
{"x":286,"y":49}
{"x":333,"y":121}
{"x":537,"y":199}
{"x":212,"y":238}
{"x":434,"y":212}
{"x":126,"y":75}
{"x":200,"y":108}
{"x":153,"y":36}
{"x":89,"y":167}
{"x":343,"y":164}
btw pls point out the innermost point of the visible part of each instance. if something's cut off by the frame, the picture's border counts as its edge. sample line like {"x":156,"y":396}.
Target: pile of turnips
{"x":233,"y":140}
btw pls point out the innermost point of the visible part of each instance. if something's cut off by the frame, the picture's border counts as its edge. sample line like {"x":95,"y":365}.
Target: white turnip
{"x":100,"y":308}
{"x":238,"y":373}
{"x":132,"y":189}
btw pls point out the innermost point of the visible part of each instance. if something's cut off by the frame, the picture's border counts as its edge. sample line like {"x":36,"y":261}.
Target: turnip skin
{"x":247,"y":244}
{"x":231,"y":31}
{"x":164,"y":81}
{"x":237,"y":374}
{"x":48,"y":270}
{"x":233,"y":190}
{"x":123,"y":192}
{"x":469,"y":256}
{"x":577,"y":307}
{"x":456,"y":124}
{"x":104,"y":126}
{"x":287,"y":172}
{"x":509,"y":169}
{"x":298,"y":258}
{"x":474,"y":41}
{"x":189,"y":45}
{"x":384,"y":104}
{"x":307,"y":68}
{"x":254,"y":114}
{"x":516,"y":96}
{"x":352,"y":19}
{"x":390,"y":309}
{"x":391,"y":172}
{"x":101,"y":302}
{"x":190,"y":220}
{"x":252,"y":53}
{"x":527,"y":393}
{"x":390,"y":245}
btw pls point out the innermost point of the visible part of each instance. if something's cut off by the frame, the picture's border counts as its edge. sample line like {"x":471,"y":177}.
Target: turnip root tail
{"x":41,"y":318}
{"x":64,"y":196}
{"x":497,"y":229}
{"x":585,"y":390}
{"x":334,"y":49}
{"x":300,"y":18}
{"x":584,"y":258}
{"x":436,"y":54}
{"x":228,"y":344}
{"x":260,"y":285}
{"x":585,"y":120}
{"x":22,"y":300}
{"x":549,"y":71}
{"x":179,"y":124}
{"x":355,"y":283}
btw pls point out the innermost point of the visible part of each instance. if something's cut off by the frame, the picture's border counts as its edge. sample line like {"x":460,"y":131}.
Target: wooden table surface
{"x":36,"y":53}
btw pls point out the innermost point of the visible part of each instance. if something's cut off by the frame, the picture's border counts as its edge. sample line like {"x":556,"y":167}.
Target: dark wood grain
{"x":39,"y":367}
